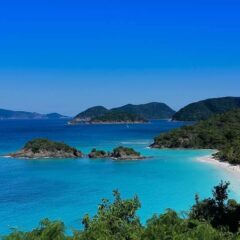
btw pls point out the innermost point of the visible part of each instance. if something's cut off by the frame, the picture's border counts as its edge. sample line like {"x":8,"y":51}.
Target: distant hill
{"x":54,"y":116}
{"x":152,"y":110}
{"x":204,"y":109}
{"x":9,"y":114}
{"x":143,"y":111}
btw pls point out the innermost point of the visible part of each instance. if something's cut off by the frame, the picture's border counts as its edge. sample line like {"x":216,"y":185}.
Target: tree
{"x":113,"y":221}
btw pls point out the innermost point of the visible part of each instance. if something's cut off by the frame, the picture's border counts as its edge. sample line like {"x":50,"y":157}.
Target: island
{"x":119,"y":153}
{"x":129,"y":113}
{"x":98,"y":154}
{"x":23,"y":115}
{"x":44,"y":148}
{"x":202,"y":110}
{"x":220,"y":132}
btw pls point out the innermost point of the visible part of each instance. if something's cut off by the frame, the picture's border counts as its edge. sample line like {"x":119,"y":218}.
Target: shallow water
{"x":31,"y":190}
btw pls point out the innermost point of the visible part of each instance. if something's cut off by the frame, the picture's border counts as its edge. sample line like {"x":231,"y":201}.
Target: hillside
{"x":204,"y":109}
{"x":9,"y":114}
{"x":152,"y":110}
{"x":118,"y":117}
{"x":220,"y":132}
{"x":88,"y":114}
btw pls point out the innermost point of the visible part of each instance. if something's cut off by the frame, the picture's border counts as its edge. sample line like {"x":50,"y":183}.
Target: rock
{"x":98,"y":154}
{"x":119,"y":153}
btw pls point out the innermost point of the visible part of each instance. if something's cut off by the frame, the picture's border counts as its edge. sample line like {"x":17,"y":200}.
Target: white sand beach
{"x":235,"y":169}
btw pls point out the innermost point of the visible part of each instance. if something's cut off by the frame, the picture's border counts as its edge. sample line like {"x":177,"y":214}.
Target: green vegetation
{"x":204,"y":109}
{"x":121,"y":152}
{"x":220,"y":132}
{"x":42,"y":144}
{"x":215,"y":218}
{"x":92,"y":112}
{"x":116,"y":116}
{"x":43,"y":148}
{"x":98,"y":154}
{"x":148,"y":111}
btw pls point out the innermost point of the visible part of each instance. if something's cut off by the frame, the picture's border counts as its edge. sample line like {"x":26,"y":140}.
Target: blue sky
{"x":65,"y":56}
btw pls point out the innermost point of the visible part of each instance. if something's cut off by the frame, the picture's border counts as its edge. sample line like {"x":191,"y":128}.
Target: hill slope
{"x":152,"y":110}
{"x":204,"y":109}
{"x":220,"y":132}
{"x":90,"y":113}
{"x":118,"y":117}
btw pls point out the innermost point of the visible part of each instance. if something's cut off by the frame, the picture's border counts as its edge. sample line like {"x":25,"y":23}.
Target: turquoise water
{"x":31,"y":190}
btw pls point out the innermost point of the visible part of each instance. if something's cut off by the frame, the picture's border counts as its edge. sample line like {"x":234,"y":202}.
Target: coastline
{"x":106,"y":123}
{"x":209,"y":159}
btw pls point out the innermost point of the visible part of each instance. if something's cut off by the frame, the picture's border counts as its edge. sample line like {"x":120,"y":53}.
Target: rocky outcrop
{"x":98,"y":154}
{"x":119,"y":153}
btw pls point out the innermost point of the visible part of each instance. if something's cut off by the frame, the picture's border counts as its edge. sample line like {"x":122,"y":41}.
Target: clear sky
{"x":68,"y":55}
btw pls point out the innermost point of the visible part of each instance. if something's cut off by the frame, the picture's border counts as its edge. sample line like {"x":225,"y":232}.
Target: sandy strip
{"x":227,"y":166}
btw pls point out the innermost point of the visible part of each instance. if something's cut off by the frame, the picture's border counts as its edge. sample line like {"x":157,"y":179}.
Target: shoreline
{"x":209,"y":159}
{"x":106,"y":123}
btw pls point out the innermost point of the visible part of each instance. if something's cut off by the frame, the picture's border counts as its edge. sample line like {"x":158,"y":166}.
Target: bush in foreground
{"x":215,"y":218}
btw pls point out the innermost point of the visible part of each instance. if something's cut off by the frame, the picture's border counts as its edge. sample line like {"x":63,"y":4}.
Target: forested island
{"x":44,"y":148}
{"x":129,"y":113}
{"x":202,"y":110}
{"x":214,"y":218}
{"x":221,"y":132}
{"x":119,"y":153}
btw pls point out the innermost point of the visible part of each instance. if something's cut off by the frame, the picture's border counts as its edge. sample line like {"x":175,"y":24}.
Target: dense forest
{"x":116,"y":116}
{"x":221,"y":132}
{"x":204,"y":109}
{"x":214,"y":218}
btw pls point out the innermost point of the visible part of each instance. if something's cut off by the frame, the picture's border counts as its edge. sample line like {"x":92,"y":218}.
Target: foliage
{"x":117,"y":116}
{"x":42,"y":144}
{"x":116,"y":221}
{"x":98,"y":153}
{"x":171,"y":226}
{"x":218,"y":210}
{"x":220,"y":132}
{"x":204,"y":109}
{"x":47,"y":230}
{"x":215,"y":218}
{"x":152,"y":110}
{"x":124,"y":151}
{"x":92,"y":112}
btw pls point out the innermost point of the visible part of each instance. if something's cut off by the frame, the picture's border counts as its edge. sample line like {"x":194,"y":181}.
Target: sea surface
{"x":66,"y":189}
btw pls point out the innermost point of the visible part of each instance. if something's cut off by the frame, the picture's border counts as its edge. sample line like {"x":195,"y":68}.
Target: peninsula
{"x":43,"y":148}
{"x":221,"y":132}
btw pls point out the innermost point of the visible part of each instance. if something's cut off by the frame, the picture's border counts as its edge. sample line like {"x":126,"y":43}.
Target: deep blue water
{"x":31,"y":190}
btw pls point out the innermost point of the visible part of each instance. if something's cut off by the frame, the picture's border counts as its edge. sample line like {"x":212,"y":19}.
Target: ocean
{"x":67,"y":189}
